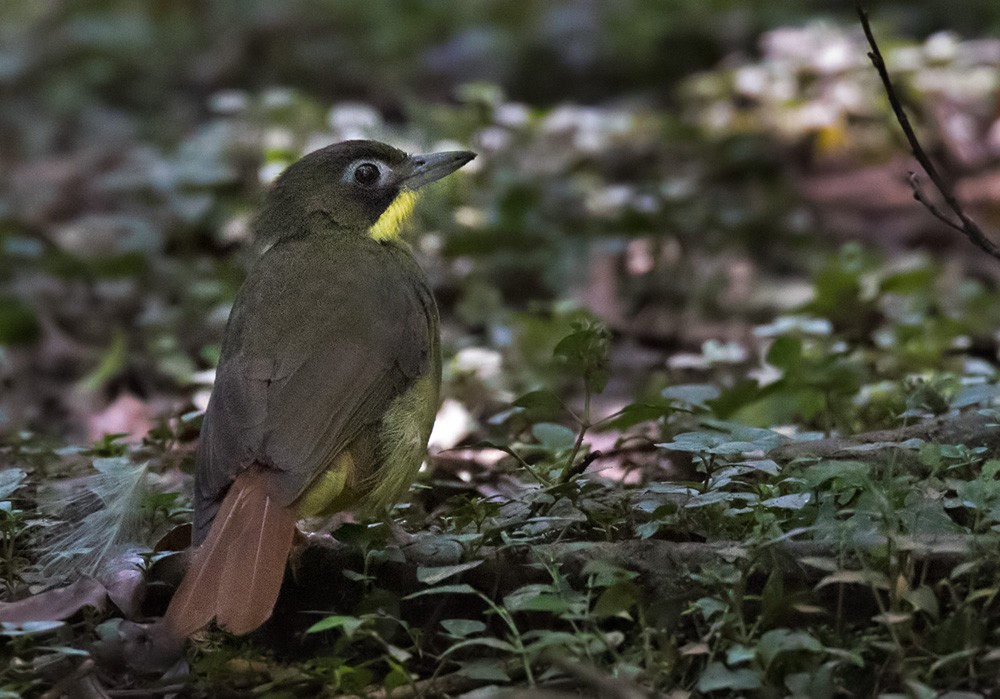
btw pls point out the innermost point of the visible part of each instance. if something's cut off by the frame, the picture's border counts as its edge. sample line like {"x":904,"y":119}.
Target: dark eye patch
{"x":366,"y":174}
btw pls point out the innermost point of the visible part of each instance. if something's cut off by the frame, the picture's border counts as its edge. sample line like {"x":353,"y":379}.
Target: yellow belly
{"x":401,"y":444}
{"x":328,"y":490}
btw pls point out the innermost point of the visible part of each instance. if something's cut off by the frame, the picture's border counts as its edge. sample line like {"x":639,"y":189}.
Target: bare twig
{"x":579,"y":468}
{"x":966,"y":225}
{"x":919,"y":195}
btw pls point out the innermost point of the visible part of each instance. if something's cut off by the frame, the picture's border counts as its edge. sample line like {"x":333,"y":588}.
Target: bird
{"x":328,"y":378}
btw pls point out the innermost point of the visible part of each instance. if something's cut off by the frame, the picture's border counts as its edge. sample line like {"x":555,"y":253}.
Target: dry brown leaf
{"x":56,"y":605}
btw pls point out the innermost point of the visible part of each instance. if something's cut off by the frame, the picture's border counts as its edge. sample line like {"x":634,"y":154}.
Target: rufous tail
{"x":236,"y":573}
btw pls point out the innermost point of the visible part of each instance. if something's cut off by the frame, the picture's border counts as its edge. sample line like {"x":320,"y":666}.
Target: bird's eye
{"x":366,"y":174}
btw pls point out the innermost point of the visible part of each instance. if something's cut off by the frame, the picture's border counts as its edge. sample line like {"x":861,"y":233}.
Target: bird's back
{"x":332,"y":343}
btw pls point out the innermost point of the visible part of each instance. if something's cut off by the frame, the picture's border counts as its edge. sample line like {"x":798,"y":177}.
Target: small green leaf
{"x":487,"y":642}
{"x":396,"y":677}
{"x":548,"y":638}
{"x":855,"y":577}
{"x":354,"y":576}
{"x":10,"y":481}
{"x":725,"y":439}
{"x":616,"y":599}
{"x":710,"y":606}
{"x":349,"y":624}
{"x":484,"y":671}
{"x":585,"y":352}
{"x":717,"y":676}
{"x":795,"y":501}
{"x":695,"y":442}
{"x":463,"y":627}
{"x":983,"y":393}
{"x":696,"y":395}
{"x":785,"y":353}
{"x":766,"y":466}
{"x":762,"y":438}
{"x":830,"y":565}
{"x":552,"y":436}
{"x":434,"y":575}
{"x":66,"y":650}
{"x":923,"y":599}
{"x":361,"y":535}
{"x":29,"y":628}
{"x":112,"y":362}
{"x":541,"y":405}
{"x":717,"y":497}
{"x":536,"y":603}
{"x":845,"y":472}
{"x":353,"y":678}
{"x":606,"y":573}
{"x":397,"y":653}
{"x":18,"y":324}
{"x":777,"y":641}
{"x":648,"y":529}
{"x":460,"y":589}
{"x":772,"y":599}
{"x":637,"y":413}
{"x":739,"y":654}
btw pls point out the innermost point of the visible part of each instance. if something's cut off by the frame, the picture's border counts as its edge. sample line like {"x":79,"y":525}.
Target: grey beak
{"x":430,"y":167}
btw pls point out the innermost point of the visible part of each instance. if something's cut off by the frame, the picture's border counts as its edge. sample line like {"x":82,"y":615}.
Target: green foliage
{"x":17,"y":323}
{"x":125,"y":232}
{"x":13,"y":526}
{"x":584,"y":352}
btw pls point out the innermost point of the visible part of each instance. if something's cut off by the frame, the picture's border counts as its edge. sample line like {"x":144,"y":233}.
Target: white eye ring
{"x":360,"y":173}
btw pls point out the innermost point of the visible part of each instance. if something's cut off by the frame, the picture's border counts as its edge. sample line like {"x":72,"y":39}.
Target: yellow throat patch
{"x":390,"y":223}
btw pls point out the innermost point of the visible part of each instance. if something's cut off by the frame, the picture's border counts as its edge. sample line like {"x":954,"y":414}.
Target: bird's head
{"x":353,"y":186}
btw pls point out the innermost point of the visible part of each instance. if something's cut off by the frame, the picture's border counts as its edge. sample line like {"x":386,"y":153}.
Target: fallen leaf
{"x":125,"y":585}
{"x":56,"y":605}
{"x":125,"y":415}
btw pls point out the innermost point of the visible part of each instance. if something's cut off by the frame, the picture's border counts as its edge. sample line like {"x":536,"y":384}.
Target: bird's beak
{"x":431,"y":167}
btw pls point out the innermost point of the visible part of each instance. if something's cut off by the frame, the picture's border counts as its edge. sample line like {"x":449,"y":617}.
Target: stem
{"x":527,"y":467}
{"x":585,"y":424}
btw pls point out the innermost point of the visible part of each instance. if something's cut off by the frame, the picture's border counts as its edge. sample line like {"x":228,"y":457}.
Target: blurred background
{"x":701,"y":175}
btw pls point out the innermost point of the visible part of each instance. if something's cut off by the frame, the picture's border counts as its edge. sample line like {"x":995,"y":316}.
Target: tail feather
{"x":236,"y":574}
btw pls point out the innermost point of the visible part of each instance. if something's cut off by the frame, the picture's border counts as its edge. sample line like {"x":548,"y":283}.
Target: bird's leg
{"x":399,"y":536}
{"x":302,"y":540}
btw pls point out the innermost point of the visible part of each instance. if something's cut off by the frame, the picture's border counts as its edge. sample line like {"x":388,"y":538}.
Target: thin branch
{"x":919,"y":195}
{"x":968,"y":227}
{"x":579,"y":468}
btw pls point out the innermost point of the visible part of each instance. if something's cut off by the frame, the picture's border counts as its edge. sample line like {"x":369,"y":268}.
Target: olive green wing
{"x":323,"y":336}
